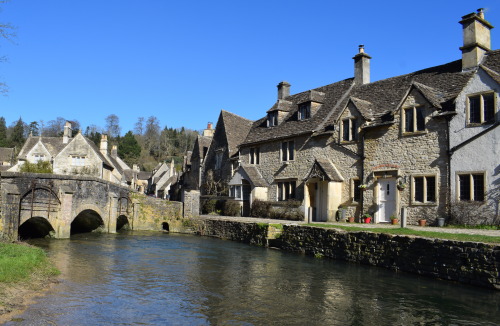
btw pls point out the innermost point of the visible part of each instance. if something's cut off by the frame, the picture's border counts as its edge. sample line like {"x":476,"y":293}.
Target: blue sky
{"x":184,"y":61}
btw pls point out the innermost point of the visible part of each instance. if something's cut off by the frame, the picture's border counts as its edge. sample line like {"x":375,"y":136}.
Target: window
{"x":254,"y":155}
{"x":38,"y":157}
{"x":287,"y":151}
{"x":356,"y":191}
{"x":424,"y":189}
{"x":205,"y":151}
{"x":481,"y":108}
{"x":218,"y":160}
{"x":77,"y":160}
{"x":471,"y":187}
{"x":304,"y":111}
{"x":272,"y":119}
{"x":349,"y":129}
{"x":414,"y":119}
{"x":286,"y":190}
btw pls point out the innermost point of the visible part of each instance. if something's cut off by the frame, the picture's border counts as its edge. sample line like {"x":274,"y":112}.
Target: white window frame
{"x":481,"y":110}
{"x":78,"y":160}
{"x":413,"y":189}
{"x":471,"y":185}
{"x":38,"y":157}
{"x":287,"y":146}
{"x":415,"y":120}
{"x":352,"y":137}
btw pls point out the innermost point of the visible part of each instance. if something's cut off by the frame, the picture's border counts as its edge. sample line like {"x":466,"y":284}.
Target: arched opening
{"x":122,"y":223}
{"x":165,"y":227}
{"x":35,"y":227}
{"x":87,"y":221}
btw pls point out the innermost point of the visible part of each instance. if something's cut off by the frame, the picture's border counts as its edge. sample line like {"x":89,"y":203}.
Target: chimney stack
{"x":209,"y":132}
{"x":114,"y":151}
{"x":104,"y":144}
{"x":476,"y":37}
{"x":283,"y":90}
{"x":67,"y":132}
{"x":361,"y":67}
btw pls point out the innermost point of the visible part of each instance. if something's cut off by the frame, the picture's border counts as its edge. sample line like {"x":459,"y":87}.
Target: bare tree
{"x":6,"y":32}
{"x":54,"y":128}
{"x":139,"y":126}
{"x":152,"y":136}
{"x":113,"y":126}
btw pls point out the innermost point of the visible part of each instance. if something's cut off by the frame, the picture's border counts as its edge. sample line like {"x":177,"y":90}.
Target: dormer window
{"x":349,"y":129}
{"x":413,"y":119}
{"x":304,"y":111}
{"x":272,"y":119}
{"x":481,"y":109}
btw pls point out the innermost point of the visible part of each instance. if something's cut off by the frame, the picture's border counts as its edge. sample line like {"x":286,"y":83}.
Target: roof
{"x":236,"y":129}
{"x":6,"y":154}
{"x":324,"y":169}
{"x":169,"y":181}
{"x":254,"y":176}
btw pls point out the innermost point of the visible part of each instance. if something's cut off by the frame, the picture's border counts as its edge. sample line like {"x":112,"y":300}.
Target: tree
{"x":33,"y":129}
{"x":113,"y":126}
{"x":17,"y":135}
{"x":139,"y":126}
{"x":55,"y":128}
{"x":3,"y":133}
{"x":152,"y":136}
{"x":94,"y":133}
{"x":129,"y":149}
{"x":6,"y":32}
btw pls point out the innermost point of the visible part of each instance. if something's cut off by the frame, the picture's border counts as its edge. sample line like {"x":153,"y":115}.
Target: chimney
{"x":114,"y":151}
{"x":476,"y":34}
{"x":135,"y":167}
{"x":172,"y":167}
{"x":283,"y":90}
{"x":209,"y":132}
{"x":104,"y":144}
{"x":361,"y":67}
{"x":67,"y":132}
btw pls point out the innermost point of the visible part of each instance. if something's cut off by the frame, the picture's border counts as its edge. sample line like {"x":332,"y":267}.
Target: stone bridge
{"x":34,"y":205}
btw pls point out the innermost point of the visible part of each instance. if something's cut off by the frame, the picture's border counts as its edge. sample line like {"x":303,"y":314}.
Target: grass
{"x":427,"y":234}
{"x":20,"y":262}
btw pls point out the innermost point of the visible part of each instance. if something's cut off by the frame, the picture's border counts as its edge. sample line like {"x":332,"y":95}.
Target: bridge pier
{"x":113,"y":213}
{"x":11,"y":198}
{"x":62,"y":225}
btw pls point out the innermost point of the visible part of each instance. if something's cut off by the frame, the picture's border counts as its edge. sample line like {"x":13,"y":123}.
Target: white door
{"x":386,"y":199}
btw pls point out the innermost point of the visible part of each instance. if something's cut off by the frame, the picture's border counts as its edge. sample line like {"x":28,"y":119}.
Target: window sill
{"x":347,"y":142}
{"x":473,"y":125}
{"x":416,"y":203}
{"x":414,"y":133}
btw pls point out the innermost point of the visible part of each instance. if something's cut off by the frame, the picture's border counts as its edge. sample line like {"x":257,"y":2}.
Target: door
{"x":386,"y":199}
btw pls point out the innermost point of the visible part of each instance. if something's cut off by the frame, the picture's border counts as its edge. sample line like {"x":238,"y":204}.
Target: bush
{"x":209,"y":206}
{"x":232,"y":208}
{"x":471,"y":213}
{"x":38,"y":167}
{"x":260,"y":209}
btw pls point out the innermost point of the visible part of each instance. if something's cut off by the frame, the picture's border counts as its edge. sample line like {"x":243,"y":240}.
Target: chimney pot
{"x":361,"y":67}
{"x":104,"y":144}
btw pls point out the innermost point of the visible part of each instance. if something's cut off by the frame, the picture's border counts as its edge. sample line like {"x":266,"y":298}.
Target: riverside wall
{"x":471,"y":263}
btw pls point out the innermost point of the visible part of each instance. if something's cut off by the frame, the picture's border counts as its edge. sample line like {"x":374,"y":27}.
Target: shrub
{"x":231,"y":208}
{"x":260,"y":208}
{"x":209,"y":206}
{"x":38,"y":167}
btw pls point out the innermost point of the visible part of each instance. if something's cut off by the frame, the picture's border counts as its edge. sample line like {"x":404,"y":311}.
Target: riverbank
{"x":25,"y":272}
{"x":468,"y":262}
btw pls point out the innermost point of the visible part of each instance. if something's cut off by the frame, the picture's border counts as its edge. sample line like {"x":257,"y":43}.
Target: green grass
{"x":427,"y":234}
{"x":21,"y":262}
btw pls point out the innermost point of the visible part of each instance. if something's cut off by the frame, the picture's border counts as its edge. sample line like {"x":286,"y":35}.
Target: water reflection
{"x":159,"y":279}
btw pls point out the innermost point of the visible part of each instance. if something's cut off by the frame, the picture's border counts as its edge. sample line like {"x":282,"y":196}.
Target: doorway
{"x":386,"y":199}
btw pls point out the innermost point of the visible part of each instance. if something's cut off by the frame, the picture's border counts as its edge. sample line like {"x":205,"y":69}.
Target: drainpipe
{"x":363,"y":171}
{"x":448,"y":169}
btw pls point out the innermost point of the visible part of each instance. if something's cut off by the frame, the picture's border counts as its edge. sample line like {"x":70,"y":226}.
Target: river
{"x":145,"y":278}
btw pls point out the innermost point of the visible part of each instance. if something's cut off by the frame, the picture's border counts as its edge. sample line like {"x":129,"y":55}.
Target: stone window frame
{"x":304,"y":111}
{"x":38,"y":157}
{"x":290,"y":151}
{"x":272,"y":119}
{"x":353,"y":132}
{"x":286,"y":189}
{"x":482,"y":120}
{"x":254,"y":155}
{"x":78,"y":160}
{"x":355,"y":190}
{"x":414,"y":109}
{"x":472,"y":194}
{"x":425,"y":189}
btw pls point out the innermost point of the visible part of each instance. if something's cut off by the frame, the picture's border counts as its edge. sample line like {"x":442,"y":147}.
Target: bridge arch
{"x":88,"y":218}
{"x":122,"y":223}
{"x":35,"y":227}
{"x":39,"y":200}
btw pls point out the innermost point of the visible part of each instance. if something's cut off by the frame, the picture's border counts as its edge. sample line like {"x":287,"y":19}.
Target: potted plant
{"x":422,"y":222}
{"x":401,"y":185}
{"x":351,"y":219}
{"x":394,"y":220}
{"x":367,"y":217}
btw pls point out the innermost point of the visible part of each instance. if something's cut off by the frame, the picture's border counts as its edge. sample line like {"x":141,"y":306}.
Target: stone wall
{"x":252,"y":233}
{"x":465,"y":262}
{"x":151,"y":213}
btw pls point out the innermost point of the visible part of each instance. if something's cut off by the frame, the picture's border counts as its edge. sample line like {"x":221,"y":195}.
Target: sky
{"x":185,"y":61}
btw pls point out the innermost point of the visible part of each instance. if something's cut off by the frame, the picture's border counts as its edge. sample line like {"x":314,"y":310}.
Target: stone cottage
{"x":378,"y":147}
{"x":6,"y":158}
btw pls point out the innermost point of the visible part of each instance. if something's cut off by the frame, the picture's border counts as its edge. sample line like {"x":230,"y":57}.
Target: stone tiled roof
{"x":323,"y":168}
{"x":237,"y":129}
{"x":254,"y":175}
{"x":6,"y":154}
{"x":143,"y":175}
{"x":376,"y":101}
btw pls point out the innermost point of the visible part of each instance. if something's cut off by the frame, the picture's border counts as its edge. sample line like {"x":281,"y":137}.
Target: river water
{"x":139,"y":278}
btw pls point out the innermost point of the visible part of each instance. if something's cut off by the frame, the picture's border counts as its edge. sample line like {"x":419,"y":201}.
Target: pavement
{"x":492,"y":233}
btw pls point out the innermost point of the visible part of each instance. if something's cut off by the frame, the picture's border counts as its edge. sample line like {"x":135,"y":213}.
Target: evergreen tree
{"x":17,"y":135}
{"x":129,"y":149}
{"x":3,"y":133}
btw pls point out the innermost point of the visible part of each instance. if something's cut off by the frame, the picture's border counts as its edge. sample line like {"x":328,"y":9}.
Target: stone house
{"x":221,"y":158}
{"x":6,"y":158}
{"x":74,"y":155}
{"x":377,"y":147}
{"x":193,"y":166}
{"x":163,"y":177}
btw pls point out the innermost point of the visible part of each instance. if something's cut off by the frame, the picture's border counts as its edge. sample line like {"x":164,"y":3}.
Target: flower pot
{"x":368,"y":220}
{"x":394,"y":221}
{"x":351,"y":219}
{"x":440,"y":221}
{"x":422,"y":222}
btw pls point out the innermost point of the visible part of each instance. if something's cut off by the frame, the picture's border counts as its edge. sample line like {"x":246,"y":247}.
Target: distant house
{"x":163,"y":177}
{"x":6,"y":158}
{"x":194,"y":165}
